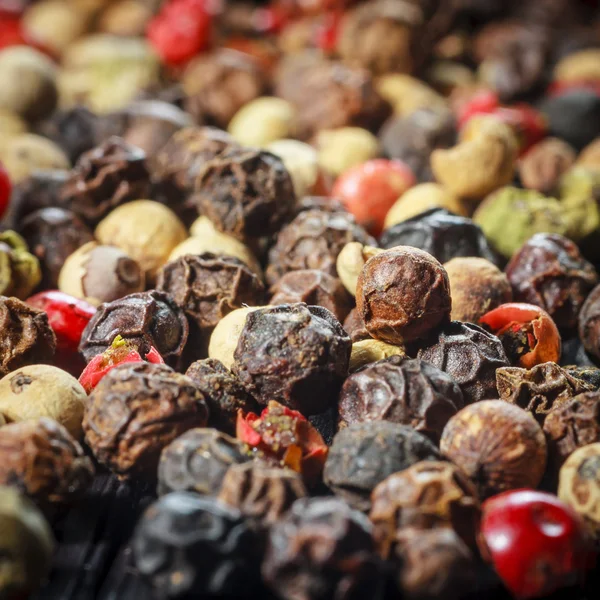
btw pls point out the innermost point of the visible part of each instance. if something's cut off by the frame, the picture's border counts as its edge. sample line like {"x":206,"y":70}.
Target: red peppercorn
{"x":528,"y":333}
{"x":11,"y":33}
{"x":5,"y":185}
{"x":327,"y":32}
{"x":536,"y":542}
{"x":369,"y":190}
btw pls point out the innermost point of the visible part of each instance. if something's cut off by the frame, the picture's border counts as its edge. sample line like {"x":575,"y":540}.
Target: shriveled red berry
{"x":5,"y":184}
{"x":528,"y":333}
{"x":536,"y":542}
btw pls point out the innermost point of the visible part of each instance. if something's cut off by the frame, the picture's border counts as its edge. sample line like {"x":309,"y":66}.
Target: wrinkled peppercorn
{"x":223,"y":392}
{"x":27,"y":337}
{"x":293,"y":352}
{"x":135,"y":411}
{"x":52,"y":235}
{"x":105,"y":177}
{"x":588,"y":373}
{"x":198,"y":460}
{"x":207,"y":287}
{"x":540,"y":389}
{"x":315,"y":288}
{"x":364,"y":454}
{"x":181,"y":527}
{"x":470,"y":355}
{"x":427,"y":495}
{"x":405,"y":391}
{"x":550,"y":272}
{"x":246,"y":193}
{"x":498,"y":445}
{"x":43,"y":461}
{"x":295,"y":565}
{"x":589,"y":324}
{"x":260,"y":492}
{"x":313,"y":240}
{"x":146,"y":319}
{"x":442,"y":234}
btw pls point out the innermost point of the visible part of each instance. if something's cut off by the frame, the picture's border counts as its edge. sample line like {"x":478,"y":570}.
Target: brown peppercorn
{"x":25,"y":335}
{"x":550,"y":272}
{"x":355,"y":326}
{"x":100,"y":274}
{"x":470,"y":355}
{"x":105,"y":177}
{"x":544,"y":164}
{"x":406,"y":391}
{"x":402,"y":294}
{"x":135,"y":411}
{"x":198,"y":460}
{"x":315,"y":288}
{"x":146,"y":319}
{"x":247,"y":193}
{"x":43,"y":461}
{"x":498,"y":445}
{"x":261,"y":492}
{"x":41,"y":189}
{"x":427,"y":495}
{"x":477,"y":286}
{"x":589,"y":324}
{"x":313,"y":240}
{"x":223,"y":392}
{"x":207,"y":287}
{"x":571,"y":425}
{"x":296,"y":353}
{"x":219,"y":83}
{"x":540,"y":389}
{"x":53,"y":234}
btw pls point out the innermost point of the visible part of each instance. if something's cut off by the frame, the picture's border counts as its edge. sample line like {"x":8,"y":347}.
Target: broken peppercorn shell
{"x":43,"y":391}
{"x":499,"y":446}
{"x":350,"y":262}
{"x":365,"y":352}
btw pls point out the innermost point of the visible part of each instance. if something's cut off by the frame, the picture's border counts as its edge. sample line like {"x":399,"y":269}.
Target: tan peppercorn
{"x":579,"y":66}
{"x":542,"y":167}
{"x":302,"y":163}
{"x":408,"y":94}
{"x":483,"y":161}
{"x":590,"y":155}
{"x":145,"y":230}
{"x":350,"y":262}
{"x":368,"y":351}
{"x":498,"y":445}
{"x":11,"y":124}
{"x":346,"y":147}
{"x":43,"y":391}
{"x":476,"y":286}
{"x":125,"y":18}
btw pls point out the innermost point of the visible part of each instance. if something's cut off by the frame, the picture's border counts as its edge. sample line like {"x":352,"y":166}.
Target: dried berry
{"x":589,"y":324}
{"x":146,"y":319}
{"x":499,"y":446}
{"x":43,"y":461}
{"x":284,"y":438}
{"x":400,"y":390}
{"x":198,"y":460}
{"x":442,"y":234}
{"x":180,"y":527}
{"x":315,"y":288}
{"x":52,"y":235}
{"x":246,"y":193}
{"x":135,"y":411}
{"x":20,"y":271}
{"x":295,"y":565}
{"x":470,"y":355}
{"x":540,"y":389}
{"x":207,"y":287}
{"x":260,"y":492}
{"x":364,"y":454}
{"x":293,"y":352}
{"x":106,"y":177}
{"x":355,"y":326}
{"x":27,"y":337}
{"x":550,"y":272}
{"x":427,"y":495}
{"x":313,"y":240}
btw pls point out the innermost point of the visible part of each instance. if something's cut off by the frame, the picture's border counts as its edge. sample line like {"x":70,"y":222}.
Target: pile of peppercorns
{"x":323,"y":273}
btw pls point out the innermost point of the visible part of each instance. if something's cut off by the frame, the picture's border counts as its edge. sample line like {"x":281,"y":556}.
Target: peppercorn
{"x":223,"y":392}
{"x":363,"y":454}
{"x":198,"y":460}
{"x":354,"y":325}
{"x":135,"y":411}
{"x":345,"y":147}
{"x":444,"y":235}
{"x":20,"y":271}
{"x":43,"y":461}
{"x":406,"y":391}
{"x":589,"y":323}
{"x":296,"y":566}
{"x":301,"y":162}
{"x":550,"y":272}
{"x":499,"y":446}
{"x":41,"y":189}
{"x":177,"y":529}
{"x":295,"y":353}
{"x":146,"y":319}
